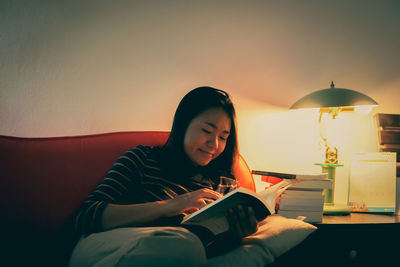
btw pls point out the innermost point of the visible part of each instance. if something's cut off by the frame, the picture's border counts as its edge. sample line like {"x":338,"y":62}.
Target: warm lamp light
{"x":333,"y":101}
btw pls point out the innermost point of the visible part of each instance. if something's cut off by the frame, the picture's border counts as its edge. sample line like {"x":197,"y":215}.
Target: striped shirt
{"x":138,"y":177}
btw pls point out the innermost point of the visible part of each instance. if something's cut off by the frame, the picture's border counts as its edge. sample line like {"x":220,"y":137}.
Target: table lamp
{"x":333,"y":101}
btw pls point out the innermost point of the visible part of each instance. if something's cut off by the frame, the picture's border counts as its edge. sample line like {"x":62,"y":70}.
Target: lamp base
{"x":336,"y":209}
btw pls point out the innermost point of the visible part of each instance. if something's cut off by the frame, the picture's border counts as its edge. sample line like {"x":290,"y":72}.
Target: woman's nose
{"x":213,"y":141}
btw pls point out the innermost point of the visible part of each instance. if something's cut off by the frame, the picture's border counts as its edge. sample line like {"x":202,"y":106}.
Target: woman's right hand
{"x":191,"y":202}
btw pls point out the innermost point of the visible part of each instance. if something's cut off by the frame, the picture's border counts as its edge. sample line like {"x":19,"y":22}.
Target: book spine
{"x":275,"y":174}
{"x":303,"y":206}
{"x":321,"y":184}
{"x":303,"y":194}
{"x":284,"y":208}
{"x":302,"y":201}
{"x":292,"y":189}
{"x":300,"y":197}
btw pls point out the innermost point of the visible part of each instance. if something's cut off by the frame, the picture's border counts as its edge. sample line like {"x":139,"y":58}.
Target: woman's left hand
{"x":242,"y":222}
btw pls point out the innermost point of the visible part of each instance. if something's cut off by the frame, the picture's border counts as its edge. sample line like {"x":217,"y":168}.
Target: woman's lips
{"x":206,"y":152}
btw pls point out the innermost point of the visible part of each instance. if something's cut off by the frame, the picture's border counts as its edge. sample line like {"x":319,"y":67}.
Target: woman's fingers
{"x":242,"y":221}
{"x":253,"y":221}
{"x":208,"y":193}
{"x":234,"y":223}
{"x":194,"y":200}
{"x":247,"y":220}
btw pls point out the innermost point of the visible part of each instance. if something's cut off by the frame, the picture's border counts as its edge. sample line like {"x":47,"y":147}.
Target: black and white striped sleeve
{"x":115,"y":188}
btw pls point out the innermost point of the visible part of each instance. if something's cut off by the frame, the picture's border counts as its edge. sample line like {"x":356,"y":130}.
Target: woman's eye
{"x":222,"y":138}
{"x":206,"y":131}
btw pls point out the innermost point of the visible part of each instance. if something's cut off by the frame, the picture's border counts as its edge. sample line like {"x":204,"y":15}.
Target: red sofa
{"x":44,"y":180}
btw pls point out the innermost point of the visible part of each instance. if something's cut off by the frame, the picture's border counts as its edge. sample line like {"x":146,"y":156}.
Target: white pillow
{"x":279,"y":234}
{"x":275,"y":236}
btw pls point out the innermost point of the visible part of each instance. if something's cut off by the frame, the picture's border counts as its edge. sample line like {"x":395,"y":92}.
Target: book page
{"x":212,"y":216}
{"x":271,"y":194}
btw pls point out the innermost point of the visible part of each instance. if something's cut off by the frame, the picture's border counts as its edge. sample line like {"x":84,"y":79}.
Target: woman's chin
{"x":202,"y":162}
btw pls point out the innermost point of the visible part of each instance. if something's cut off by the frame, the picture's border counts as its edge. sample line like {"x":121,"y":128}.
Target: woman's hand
{"x":191,"y":201}
{"x":242,"y":222}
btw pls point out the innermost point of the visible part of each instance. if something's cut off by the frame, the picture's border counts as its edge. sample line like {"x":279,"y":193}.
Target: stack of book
{"x":304,"y":197}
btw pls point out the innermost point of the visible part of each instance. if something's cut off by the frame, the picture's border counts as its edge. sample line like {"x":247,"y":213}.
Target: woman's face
{"x":206,"y":136}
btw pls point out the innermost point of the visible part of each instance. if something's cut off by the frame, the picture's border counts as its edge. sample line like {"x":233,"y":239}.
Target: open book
{"x":213,"y":217}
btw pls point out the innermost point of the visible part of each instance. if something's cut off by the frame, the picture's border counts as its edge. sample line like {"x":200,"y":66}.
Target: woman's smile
{"x":206,"y":136}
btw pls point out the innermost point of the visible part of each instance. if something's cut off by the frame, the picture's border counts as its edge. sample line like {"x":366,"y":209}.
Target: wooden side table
{"x":359,"y":219}
{"x":357,"y":239}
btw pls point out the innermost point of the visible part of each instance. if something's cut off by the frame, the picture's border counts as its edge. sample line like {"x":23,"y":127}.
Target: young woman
{"x":133,"y":216}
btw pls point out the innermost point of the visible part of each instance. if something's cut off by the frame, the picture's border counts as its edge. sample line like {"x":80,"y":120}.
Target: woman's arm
{"x":115,"y":215}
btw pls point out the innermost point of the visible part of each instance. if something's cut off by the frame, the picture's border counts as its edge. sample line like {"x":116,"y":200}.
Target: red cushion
{"x":243,"y":173}
{"x":43,"y":180}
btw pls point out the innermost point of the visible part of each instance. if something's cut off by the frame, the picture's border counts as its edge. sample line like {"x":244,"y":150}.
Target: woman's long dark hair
{"x":191,"y":105}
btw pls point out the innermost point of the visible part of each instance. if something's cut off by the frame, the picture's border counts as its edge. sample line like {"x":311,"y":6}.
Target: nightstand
{"x":357,"y":239}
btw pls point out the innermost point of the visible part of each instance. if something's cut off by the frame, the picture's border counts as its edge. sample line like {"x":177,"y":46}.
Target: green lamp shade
{"x":333,"y":97}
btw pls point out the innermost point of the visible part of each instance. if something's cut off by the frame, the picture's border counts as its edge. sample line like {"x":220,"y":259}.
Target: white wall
{"x":81,"y":67}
